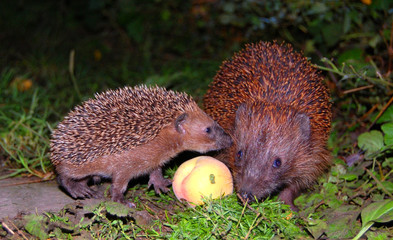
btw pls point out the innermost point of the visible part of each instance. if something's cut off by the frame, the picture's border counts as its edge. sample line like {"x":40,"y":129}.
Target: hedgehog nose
{"x":228,"y":142}
{"x":247,"y":196}
{"x":223,"y":139}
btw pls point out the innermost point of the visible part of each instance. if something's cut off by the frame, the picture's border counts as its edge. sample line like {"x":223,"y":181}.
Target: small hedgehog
{"x":125,"y":133}
{"x":273,"y":103}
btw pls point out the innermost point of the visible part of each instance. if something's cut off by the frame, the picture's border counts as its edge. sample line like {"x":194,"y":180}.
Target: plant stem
{"x":363,"y":230}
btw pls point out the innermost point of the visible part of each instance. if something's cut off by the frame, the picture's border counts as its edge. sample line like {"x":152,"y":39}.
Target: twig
{"x":254,"y":224}
{"x":9,"y":230}
{"x":357,"y":89}
{"x":18,"y":230}
{"x":23,"y":183}
{"x":381,"y":112}
{"x":379,"y":183}
{"x":369,"y":112}
{"x":331,"y":75}
{"x":245,"y":202}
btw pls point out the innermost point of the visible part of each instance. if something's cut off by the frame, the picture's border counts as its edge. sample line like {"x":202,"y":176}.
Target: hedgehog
{"x":274,"y":104}
{"x":128,"y":132}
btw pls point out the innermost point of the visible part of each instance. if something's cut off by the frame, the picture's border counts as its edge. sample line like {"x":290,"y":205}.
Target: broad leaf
{"x":387,"y":116}
{"x":117,"y":209}
{"x":349,"y":177}
{"x":371,"y":141}
{"x":378,"y":212}
{"x":35,"y":226}
{"x":388,"y":186}
{"x":387,"y":129}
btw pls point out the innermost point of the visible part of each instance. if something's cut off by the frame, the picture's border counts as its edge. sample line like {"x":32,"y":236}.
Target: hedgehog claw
{"x":78,"y":189}
{"x":120,"y":199}
{"x":160,"y":183}
{"x":130,"y":204}
{"x":85,"y":192}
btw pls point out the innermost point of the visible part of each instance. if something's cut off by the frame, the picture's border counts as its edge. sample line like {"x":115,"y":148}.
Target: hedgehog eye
{"x":208,"y":130}
{"x":277,"y":163}
{"x":239,"y":155}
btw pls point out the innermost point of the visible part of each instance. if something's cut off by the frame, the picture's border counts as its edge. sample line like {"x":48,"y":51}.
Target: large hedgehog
{"x":128,"y":132}
{"x":274,"y":104}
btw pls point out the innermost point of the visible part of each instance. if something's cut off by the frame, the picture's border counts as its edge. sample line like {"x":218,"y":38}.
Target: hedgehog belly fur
{"x":133,"y":163}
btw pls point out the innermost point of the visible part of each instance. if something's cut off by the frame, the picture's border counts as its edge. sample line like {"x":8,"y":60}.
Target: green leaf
{"x":378,"y":212}
{"x":387,"y":116}
{"x":344,"y":215}
{"x":388,"y":186}
{"x":378,"y":235}
{"x":349,"y":177}
{"x":331,"y":189}
{"x":337,"y":231}
{"x":371,"y":141}
{"x":350,"y":56}
{"x":317,"y":227}
{"x":388,"y":163}
{"x":35,"y":226}
{"x":91,"y":207}
{"x":387,"y":129}
{"x":381,"y":211}
{"x":117,"y":209}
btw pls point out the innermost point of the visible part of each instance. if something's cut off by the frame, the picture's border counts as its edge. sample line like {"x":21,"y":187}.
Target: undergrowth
{"x":217,"y":219}
{"x":228,"y":219}
{"x":24,"y":130}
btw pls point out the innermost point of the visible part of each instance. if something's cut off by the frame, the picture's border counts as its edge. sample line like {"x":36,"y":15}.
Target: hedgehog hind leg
{"x":77,"y":188}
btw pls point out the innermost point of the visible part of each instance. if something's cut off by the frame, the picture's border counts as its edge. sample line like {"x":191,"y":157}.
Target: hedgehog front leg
{"x":160,"y":183}
{"x":288,"y":195}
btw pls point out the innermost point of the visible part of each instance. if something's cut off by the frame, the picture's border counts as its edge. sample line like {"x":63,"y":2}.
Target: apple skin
{"x":202,"y":176}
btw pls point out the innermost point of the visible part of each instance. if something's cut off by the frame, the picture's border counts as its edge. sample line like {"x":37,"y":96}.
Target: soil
{"x":30,"y":195}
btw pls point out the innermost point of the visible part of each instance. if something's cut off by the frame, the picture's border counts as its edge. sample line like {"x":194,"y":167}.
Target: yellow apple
{"x":200,"y":177}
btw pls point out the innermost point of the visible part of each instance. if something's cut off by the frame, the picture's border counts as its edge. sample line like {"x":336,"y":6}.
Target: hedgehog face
{"x":270,"y":140}
{"x":200,"y":133}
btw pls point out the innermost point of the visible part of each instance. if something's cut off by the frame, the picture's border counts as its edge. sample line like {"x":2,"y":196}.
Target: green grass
{"x":24,"y":129}
{"x":228,"y":219}
{"x":219,"y":219}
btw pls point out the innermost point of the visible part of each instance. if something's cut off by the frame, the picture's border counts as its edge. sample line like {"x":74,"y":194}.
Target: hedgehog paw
{"x":81,"y":191}
{"x":120,"y":199}
{"x":160,"y":183}
{"x":78,"y":189}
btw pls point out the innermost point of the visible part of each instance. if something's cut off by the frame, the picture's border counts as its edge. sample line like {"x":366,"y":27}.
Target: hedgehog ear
{"x":304,"y":124}
{"x":240,"y":111}
{"x":179,"y":123}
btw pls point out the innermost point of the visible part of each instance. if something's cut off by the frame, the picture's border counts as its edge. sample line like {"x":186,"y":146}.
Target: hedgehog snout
{"x":223,"y":140}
